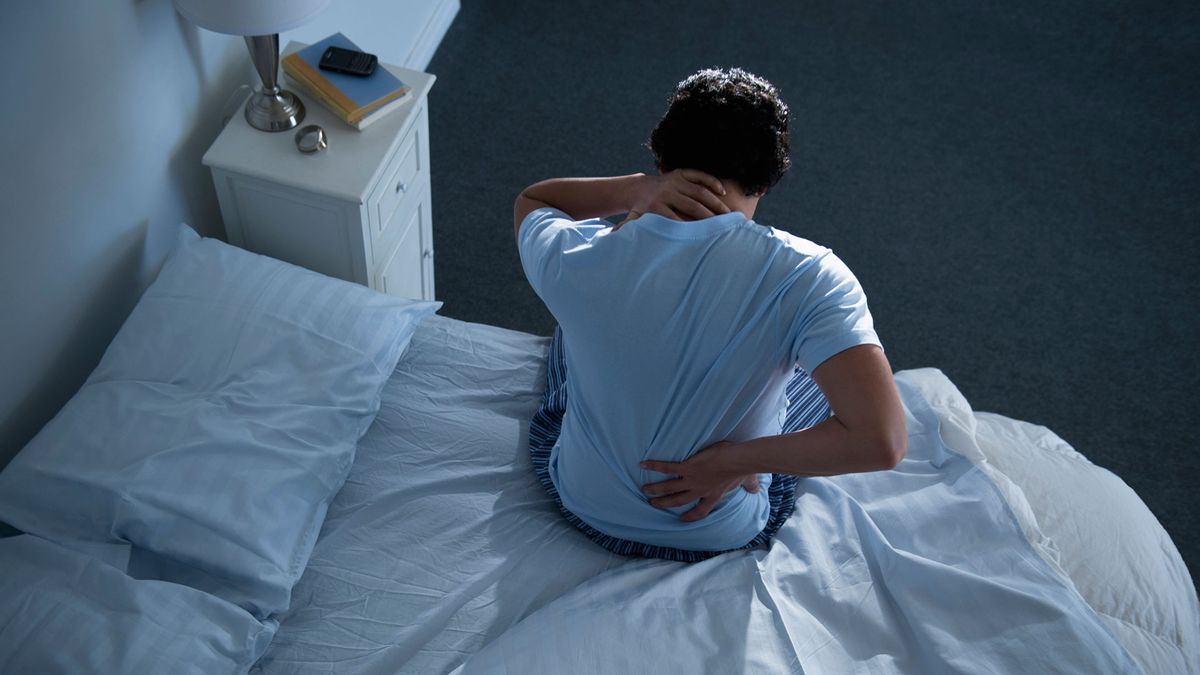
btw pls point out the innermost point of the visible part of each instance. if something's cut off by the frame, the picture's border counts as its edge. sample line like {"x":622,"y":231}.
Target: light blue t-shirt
{"x":678,"y":335}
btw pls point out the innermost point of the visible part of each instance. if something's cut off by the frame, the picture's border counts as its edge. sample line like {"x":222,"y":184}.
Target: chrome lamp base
{"x":270,"y":108}
{"x":274,"y":112}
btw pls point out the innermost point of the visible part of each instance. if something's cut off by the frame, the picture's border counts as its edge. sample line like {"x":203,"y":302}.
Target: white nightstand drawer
{"x":393,"y":228}
{"x":399,"y":176}
{"x":402,"y":272}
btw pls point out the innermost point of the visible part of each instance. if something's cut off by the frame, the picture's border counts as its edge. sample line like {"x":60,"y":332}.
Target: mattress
{"x":442,"y":548}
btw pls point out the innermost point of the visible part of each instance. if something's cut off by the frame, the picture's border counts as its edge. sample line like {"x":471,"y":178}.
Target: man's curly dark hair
{"x":728,"y":123}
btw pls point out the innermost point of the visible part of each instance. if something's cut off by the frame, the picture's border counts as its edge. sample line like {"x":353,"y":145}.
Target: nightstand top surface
{"x":347,"y":169}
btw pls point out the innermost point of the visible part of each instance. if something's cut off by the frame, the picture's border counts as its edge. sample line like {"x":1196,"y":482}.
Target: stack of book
{"x":357,"y":100}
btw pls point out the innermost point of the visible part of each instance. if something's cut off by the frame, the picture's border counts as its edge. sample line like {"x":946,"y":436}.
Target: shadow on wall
{"x":191,"y":180}
{"x":154,"y":180}
{"x":118,"y":290}
{"x":190,"y":33}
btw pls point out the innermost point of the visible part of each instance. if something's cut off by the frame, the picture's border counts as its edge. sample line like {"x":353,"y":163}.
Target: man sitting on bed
{"x":680,"y":329}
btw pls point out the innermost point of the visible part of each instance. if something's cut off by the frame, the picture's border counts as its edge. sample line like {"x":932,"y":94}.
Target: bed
{"x":407,"y":533}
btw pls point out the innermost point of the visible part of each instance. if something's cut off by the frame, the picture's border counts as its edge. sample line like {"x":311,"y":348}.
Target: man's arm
{"x":866,"y":433}
{"x":683,"y":194}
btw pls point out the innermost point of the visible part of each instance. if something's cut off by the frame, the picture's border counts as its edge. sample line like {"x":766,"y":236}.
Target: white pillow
{"x":65,"y":612}
{"x":219,"y":424}
{"x":1085,"y":522}
{"x":1113,"y":549}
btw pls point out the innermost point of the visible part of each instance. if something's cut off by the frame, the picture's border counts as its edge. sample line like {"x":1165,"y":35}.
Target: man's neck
{"x":737,"y":200}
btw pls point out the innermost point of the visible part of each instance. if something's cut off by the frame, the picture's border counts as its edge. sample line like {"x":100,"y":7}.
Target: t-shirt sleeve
{"x":834,"y":316}
{"x":545,"y":237}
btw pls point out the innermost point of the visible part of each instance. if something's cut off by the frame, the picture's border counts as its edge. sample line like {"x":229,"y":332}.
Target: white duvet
{"x":442,"y":553}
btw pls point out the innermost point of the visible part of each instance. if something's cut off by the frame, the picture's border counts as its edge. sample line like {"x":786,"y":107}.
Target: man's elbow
{"x":522,"y":207}
{"x":890,"y":449}
{"x":520,"y":210}
{"x":894,"y":453}
{"x":892,"y":440}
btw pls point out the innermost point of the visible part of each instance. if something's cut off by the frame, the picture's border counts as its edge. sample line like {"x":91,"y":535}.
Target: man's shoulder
{"x":799,"y":247}
{"x":548,"y":230}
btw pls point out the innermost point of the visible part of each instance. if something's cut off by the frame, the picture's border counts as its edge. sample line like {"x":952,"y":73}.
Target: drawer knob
{"x":428,"y":254}
{"x":401,"y":187}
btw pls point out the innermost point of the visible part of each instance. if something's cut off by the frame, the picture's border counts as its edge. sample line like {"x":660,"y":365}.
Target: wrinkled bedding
{"x":442,"y":552}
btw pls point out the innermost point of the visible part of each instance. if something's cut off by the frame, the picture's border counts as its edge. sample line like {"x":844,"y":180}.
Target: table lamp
{"x":260,"y":22}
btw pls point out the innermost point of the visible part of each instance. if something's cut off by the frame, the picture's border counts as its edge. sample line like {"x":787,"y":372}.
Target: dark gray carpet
{"x":1015,"y":185}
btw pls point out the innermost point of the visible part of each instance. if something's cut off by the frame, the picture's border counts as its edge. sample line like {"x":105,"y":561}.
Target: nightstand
{"x":358,"y":210}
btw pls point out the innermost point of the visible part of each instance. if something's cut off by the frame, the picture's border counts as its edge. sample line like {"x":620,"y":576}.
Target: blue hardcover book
{"x":355,"y":96}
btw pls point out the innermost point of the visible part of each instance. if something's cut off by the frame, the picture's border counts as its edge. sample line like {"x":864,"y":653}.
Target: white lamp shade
{"x":250,"y":17}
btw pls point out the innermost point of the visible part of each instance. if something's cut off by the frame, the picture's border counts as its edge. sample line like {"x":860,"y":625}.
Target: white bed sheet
{"x":1086,"y":523}
{"x":1102,"y":536}
{"x":442,"y":540}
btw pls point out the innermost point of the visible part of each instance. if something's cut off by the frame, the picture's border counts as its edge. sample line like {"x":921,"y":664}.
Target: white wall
{"x":106,"y":109}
